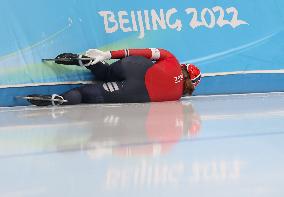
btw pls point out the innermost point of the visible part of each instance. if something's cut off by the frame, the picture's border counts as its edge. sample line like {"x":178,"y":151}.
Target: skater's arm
{"x":150,"y":53}
{"x":99,"y":56}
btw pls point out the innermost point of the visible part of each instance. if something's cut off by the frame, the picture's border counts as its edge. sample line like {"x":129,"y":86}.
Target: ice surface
{"x":229,"y":145}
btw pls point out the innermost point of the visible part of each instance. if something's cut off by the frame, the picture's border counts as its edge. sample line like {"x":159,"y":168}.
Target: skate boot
{"x":45,"y":100}
{"x":73,"y":59}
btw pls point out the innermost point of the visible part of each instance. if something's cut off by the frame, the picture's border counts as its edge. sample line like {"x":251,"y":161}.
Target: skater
{"x":140,"y":75}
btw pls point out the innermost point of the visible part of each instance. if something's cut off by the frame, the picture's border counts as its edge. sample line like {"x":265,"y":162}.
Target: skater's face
{"x":188,"y":86}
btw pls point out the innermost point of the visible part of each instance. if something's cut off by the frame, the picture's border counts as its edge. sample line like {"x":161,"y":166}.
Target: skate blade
{"x":40,"y":99}
{"x":66,"y":59}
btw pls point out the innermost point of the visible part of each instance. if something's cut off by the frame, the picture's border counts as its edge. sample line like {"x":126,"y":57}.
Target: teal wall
{"x":239,"y":52}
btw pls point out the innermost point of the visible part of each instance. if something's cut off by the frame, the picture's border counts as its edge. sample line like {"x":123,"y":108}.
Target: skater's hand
{"x":67,"y":59}
{"x":98,"y":55}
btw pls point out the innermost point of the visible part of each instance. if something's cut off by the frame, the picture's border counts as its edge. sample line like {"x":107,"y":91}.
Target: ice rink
{"x":230,"y":145}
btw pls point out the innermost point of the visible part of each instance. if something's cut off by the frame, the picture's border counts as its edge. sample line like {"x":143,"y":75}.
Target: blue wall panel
{"x":218,"y":36}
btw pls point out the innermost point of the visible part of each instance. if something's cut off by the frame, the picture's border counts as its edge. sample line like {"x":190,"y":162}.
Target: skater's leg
{"x":135,"y":67}
{"x":118,"y":70}
{"x":106,"y":72}
{"x":85,"y":94}
{"x":100,"y":70}
{"x":93,"y":93}
{"x":73,"y":97}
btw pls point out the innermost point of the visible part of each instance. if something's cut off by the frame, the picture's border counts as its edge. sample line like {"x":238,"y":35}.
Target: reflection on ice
{"x":120,"y":129}
{"x":137,"y":129}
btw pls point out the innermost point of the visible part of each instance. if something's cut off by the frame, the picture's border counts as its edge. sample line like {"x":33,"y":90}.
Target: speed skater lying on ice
{"x":139,"y":75}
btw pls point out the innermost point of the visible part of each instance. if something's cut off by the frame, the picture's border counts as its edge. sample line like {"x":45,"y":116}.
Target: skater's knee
{"x":73,"y":97}
{"x":100,"y":70}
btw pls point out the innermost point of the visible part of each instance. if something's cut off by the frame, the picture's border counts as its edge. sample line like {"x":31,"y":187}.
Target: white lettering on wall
{"x":152,"y":20}
{"x":231,"y":12}
{"x":158,"y":18}
{"x":123,"y":21}
{"x":177,"y":25}
{"x":109,"y":18}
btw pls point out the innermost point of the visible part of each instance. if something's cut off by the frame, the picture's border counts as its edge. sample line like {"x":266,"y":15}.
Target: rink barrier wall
{"x":220,"y":37}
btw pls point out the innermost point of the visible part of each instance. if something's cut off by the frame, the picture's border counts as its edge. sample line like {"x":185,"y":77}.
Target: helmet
{"x":194,"y":73}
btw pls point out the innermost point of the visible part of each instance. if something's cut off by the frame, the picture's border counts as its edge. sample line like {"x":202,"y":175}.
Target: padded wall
{"x":237,"y":44}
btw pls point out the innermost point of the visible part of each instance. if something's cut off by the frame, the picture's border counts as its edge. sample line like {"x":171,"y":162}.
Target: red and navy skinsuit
{"x":141,"y":75}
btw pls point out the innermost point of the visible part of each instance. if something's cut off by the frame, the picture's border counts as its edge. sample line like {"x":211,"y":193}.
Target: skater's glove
{"x":97,"y":55}
{"x":67,"y":59}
